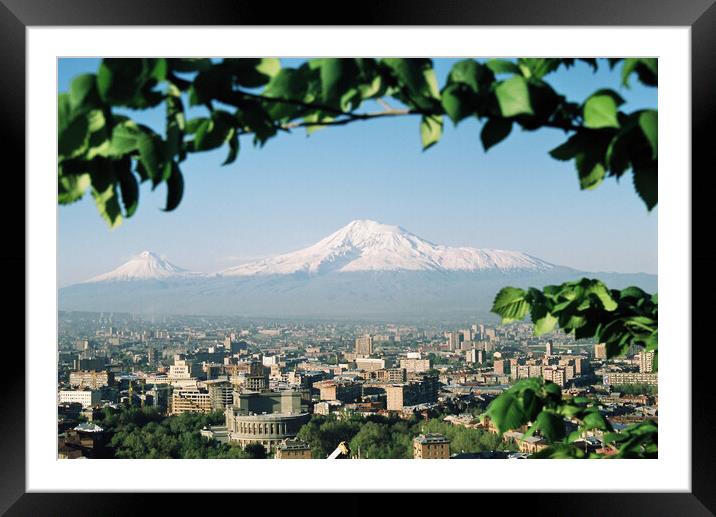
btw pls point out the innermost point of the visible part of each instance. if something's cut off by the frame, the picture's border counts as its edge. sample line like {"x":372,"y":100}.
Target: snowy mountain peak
{"x":365,"y":245}
{"x":145,"y":266}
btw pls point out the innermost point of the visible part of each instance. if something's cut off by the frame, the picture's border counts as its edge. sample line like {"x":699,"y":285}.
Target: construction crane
{"x":341,"y":452}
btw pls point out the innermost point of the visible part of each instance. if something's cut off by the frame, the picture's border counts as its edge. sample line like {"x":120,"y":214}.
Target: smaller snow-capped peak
{"x":145,"y":266}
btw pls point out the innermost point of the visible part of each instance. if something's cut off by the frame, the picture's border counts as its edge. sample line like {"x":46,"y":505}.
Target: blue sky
{"x":298,"y":189}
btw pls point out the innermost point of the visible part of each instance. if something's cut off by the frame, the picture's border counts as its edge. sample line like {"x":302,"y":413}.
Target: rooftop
{"x":294,"y":444}
{"x":431,"y":438}
{"x":89,"y":427}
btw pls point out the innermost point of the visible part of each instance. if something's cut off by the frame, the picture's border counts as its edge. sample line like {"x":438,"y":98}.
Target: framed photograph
{"x":421,"y":233}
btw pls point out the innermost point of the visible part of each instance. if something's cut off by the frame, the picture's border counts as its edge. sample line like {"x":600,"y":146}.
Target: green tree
{"x":255,"y":451}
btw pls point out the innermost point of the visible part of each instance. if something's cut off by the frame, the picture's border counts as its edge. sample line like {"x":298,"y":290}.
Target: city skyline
{"x":298,"y":189}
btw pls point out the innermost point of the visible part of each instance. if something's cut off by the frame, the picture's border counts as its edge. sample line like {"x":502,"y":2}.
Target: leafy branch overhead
{"x":102,"y":150}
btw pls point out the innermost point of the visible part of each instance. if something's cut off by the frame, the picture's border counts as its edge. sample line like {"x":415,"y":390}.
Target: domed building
{"x":267,"y":417}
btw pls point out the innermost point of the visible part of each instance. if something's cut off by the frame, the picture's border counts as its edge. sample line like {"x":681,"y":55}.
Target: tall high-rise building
{"x":153,"y":357}
{"x":548,"y":349}
{"x":600,"y":351}
{"x":501,"y":366}
{"x":221,"y":394}
{"x":364,"y":345}
{"x":475,"y":356}
{"x":454,"y":340}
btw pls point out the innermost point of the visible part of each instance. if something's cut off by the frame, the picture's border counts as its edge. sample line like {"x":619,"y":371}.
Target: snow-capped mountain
{"x":365,"y":270}
{"x":365,"y":245}
{"x":145,"y":266}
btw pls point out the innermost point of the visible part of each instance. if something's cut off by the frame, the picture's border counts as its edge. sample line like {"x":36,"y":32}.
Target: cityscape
{"x":138,"y":386}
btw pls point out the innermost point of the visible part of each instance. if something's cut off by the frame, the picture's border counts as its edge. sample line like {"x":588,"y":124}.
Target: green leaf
{"x":645,"y":68}
{"x":632,"y":292}
{"x":253,"y":72}
{"x":175,"y":188}
{"x":618,"y":99}
{"x":189,"y":64}
{"x":472,"y":74}
{"x":289,"y":83}
{"x":649,"y":124}
{"x":233,"y":148}
{"x":269,"y":66}
{"x":513,"y":97}
{"x":545,"y":324}
{"x":337,"y":77}
{"x":510,"y":304}
{"x":129,"y":189}
{"x":502,"y":66}
{"x":538,"y":67}
{"x":417,"y":78}
{"x":73,"y":140}
{"x":627,"y":69}
{"x":431,"y":129}
{"x":507,"y":412}
{"x":83,"y":93}
{"x":212,"y":133}
{"x":456,"y":102}
{"x":125,"y":138}
{"x":151,"y":156}
{"x":647,"y":185}
{"x":550,"y":426}
{"x":130,"y":81}
{"x":569,"y":149}
{"x":72,"y":187}
{"x":591,"y":174}
{"x":601,"y":291}
{"x":495,"y":131}
{"x":104,"y":192}
{"x":617,"y":157}
{"x":600,"y":111}
{"x":594,"y":420}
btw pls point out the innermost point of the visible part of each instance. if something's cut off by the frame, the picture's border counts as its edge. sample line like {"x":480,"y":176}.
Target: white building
{"x":369,"y":364}
{"x":85,"y":397}
{"x":415,"y":365}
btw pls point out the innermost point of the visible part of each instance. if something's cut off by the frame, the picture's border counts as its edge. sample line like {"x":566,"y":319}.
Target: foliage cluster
{"x":376,"y":437}
{"x":587,"y":308}
{"x":144,"y":433}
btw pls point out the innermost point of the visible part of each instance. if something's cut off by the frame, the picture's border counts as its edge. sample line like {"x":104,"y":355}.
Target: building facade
{"x":415,"y":365}
{"x":399,"y":396}
{"x":620,"y":378}
{"x":190,"y":400}
{"x":269,"y":430}
{"x":91,"y":379}
{"x":85,"y":397}
{"x":431,"y":446}
{"x":293,"y":449}
{"x":364,"y":345}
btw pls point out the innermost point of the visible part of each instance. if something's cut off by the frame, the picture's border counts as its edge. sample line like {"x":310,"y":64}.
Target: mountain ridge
{"x":364,"y":270}
{"x":361,"y":245}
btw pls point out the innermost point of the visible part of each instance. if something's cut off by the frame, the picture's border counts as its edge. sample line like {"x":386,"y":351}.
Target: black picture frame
{"x":700,"y":15}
